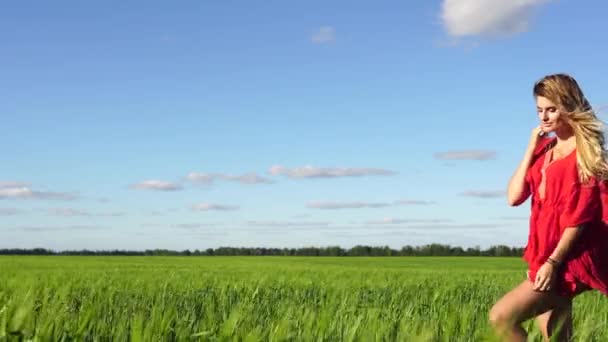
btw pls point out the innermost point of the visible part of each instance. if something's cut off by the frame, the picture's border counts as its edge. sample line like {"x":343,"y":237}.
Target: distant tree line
{"x":359,"y":250}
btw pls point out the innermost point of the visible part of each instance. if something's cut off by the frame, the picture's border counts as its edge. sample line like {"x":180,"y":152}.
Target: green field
{"x":264,"y":298}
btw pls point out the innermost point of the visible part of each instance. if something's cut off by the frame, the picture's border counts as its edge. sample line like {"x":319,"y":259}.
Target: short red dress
{"x":559,"y":201}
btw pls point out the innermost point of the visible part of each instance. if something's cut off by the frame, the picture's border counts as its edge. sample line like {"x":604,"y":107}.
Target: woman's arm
{"x":565,"y":243}
{"x":547,"y":272}
{"x":518,"y":191}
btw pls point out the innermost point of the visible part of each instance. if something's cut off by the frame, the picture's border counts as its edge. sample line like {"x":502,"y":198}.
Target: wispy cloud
{"x":346,"y":205}
{"x":457,"y":226}
{"x":151,"y":225}
{"x":287,"y":224}
{"x":212,"y":206}
{"x":466,"y":155}
{"x":68,"y":212}
{"x":414,"y":202}
{"x":156,"y":185}
{"x":12,"y":184}
{"x":370,"y":234}
{"x":325,"y":34}
{"x":9,"y":211}
{"x":514,"y":218}
{"x":488,"y":18}
{"x":194,"y":225}
{"x":484,"y":194}
{"x":363,"y":204}
{"x":72,"y":212}
{"x":56,"y":228}
{"x":112,"y":214}
{"x":391,"y":220}
{"x":318,"y":172}
{"x":20,"y":190}
{"x":210,"y":178}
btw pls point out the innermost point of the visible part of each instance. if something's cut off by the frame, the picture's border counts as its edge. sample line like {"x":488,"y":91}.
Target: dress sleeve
{"x":603,"y":188}
{"x":582,"y":205}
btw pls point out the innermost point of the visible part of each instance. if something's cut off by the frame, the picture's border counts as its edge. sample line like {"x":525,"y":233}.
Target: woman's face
{"x":549,"y":115}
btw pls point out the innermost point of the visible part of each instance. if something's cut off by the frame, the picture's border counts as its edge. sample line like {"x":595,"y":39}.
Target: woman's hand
{"x":535,"y":137}
{"x":545,"y":278}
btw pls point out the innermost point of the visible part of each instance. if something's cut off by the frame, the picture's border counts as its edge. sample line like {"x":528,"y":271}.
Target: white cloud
{"x":9,"y":184}
{"x":55,"y":228}
{"x":286,"y":224}
{"x":466,"y":155}
{"x":19,"y":190}
{"x":487,"y":17}
{"x":458,"y":226}
{"x":484,"y":194}
{"x":156,"y":185}
{"x":317,"y":172}
{"x":325,"y":34}
{"x":16,"y":192}
{"x":201,"y":178}
{"x":360,"y":204}
{"x":9,"y":211}
{"x":413,"y":202}
{"x":68,"y":212}
{"x":514,"y":218}
{"x":212,"y":206}
{"x":194,"y":225}
{"x":112,"y":214}
{"x":345,"y":205}
{"x":209,"y":178}
{"x":72,"y":212}
{"x":391,"y":220}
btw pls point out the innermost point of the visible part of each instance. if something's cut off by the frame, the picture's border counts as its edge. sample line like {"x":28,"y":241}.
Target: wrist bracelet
{"x":553,"y":262}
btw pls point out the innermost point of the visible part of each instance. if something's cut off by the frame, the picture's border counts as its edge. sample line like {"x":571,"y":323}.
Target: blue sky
{"x":198,"y":124}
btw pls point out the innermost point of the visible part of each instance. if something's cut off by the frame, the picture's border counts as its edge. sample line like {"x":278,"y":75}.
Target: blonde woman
{"x":565,"y":176}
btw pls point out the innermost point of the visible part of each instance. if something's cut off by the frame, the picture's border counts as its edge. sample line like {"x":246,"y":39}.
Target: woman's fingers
{"x":538,"y":282}
{"x":542,"y":283}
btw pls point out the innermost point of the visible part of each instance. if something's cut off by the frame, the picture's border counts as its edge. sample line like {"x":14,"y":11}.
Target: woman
{"x":566,"y":178}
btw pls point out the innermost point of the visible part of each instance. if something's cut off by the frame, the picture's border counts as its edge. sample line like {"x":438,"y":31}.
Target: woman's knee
{"x":499,"y":316}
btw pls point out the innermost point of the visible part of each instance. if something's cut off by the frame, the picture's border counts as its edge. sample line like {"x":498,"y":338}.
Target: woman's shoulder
{"x":543,"y":145}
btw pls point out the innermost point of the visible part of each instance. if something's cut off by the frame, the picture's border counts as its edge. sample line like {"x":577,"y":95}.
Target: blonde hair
{"x":564,"y":91}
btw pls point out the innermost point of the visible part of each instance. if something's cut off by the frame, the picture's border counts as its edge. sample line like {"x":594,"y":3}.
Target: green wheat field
{"x":64,"y":298}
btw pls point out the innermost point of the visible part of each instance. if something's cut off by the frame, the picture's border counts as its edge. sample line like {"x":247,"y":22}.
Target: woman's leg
{"x":519,"y":305}
{"x":558,"y":320}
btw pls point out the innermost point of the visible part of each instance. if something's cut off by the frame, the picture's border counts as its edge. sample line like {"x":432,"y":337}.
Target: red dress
{"x":560,"y":201}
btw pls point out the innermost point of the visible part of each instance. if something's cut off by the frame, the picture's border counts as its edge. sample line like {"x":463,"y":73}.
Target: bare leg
{"x":519,"y":305}
{"x":558,"y":320}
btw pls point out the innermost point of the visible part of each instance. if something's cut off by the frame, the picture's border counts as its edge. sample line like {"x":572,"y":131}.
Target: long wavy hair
{"x":564,"y":91}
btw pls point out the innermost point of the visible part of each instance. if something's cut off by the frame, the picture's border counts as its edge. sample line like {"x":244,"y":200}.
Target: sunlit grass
{"x":264,"y":298}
